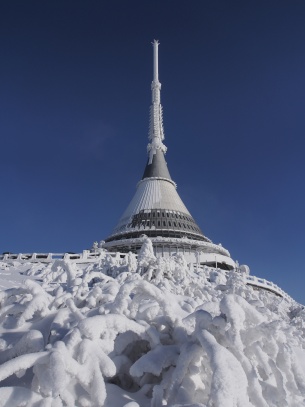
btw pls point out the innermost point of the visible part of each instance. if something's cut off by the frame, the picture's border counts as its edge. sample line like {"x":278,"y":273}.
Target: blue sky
{"x":75,"y":93}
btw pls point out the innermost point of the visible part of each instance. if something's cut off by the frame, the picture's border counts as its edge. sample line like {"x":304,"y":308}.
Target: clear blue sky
{"x":75,"y":93}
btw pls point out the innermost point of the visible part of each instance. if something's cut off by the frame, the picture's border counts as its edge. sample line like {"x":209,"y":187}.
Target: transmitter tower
{"x":156,"y":210}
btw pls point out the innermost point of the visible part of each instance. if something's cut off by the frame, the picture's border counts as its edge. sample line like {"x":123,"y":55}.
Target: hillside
{"x":146,"y":332}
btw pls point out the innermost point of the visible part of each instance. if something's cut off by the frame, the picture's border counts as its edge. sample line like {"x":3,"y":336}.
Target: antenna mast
{"x":156,"y":131}
{"x":156,"y":73}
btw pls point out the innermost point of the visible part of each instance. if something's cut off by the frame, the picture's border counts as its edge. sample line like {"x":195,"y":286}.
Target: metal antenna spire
{"x":156,"y":131}
{"x":156,"y":73}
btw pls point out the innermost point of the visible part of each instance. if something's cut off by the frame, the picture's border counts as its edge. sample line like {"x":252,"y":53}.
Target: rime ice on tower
{"x":157,"y":210}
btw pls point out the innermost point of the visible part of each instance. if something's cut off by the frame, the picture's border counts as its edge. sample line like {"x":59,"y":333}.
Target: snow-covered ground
{"x":145,"y":332}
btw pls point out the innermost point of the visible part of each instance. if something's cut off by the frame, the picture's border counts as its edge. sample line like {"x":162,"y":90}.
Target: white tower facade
{"x":156,"y":210}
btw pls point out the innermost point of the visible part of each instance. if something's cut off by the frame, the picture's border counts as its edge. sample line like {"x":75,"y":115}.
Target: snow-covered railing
{"x":85,"y":257}
{"x":253,"y":281}
{"x":267,"y":285}
{"x":88,"y":256}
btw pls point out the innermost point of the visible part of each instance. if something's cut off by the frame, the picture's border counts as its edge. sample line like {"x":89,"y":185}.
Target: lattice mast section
{"x":156,"y":130}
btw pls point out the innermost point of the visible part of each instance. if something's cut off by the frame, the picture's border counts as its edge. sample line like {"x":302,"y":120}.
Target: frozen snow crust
{"x":147,"y":332}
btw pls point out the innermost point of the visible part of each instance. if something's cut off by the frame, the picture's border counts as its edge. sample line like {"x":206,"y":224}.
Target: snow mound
{"x":147,"y":332}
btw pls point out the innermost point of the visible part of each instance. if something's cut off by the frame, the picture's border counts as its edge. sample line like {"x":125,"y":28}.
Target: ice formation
{"x":147,"y":332}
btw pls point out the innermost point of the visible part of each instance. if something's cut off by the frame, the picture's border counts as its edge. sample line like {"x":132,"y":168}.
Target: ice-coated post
{"x":156,"y":74}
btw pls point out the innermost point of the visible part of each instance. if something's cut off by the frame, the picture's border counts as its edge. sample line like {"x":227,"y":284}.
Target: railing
{"x":268,"y":285}
{"x":85,"y":257}
{"x":89,"y":257}
{"x":253,"y":281}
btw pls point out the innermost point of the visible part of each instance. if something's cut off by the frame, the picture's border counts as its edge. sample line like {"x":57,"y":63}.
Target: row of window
{"x":170,"y":224}
{"x":159,"y":223}
{"x":174,"y":233}
{"x":162,"y":219}
{"x":158,"y":214}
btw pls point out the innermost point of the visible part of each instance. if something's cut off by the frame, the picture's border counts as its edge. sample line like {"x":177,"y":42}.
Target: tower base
{"x":195,"y":251}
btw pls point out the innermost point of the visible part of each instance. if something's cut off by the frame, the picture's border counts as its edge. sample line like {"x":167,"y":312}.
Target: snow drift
{"x":147,"y":332}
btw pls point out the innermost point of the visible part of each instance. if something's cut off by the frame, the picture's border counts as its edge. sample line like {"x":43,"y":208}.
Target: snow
{"x":130,"y":332}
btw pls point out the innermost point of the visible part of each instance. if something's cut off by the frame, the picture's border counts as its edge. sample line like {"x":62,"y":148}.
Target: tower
{"x":157,"y":210}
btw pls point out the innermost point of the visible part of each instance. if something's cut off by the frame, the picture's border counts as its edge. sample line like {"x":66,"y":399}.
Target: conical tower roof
{"x":156,"y":209}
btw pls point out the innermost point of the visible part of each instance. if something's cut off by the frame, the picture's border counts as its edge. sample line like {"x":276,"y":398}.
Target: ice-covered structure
{"x":157,"y":211}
